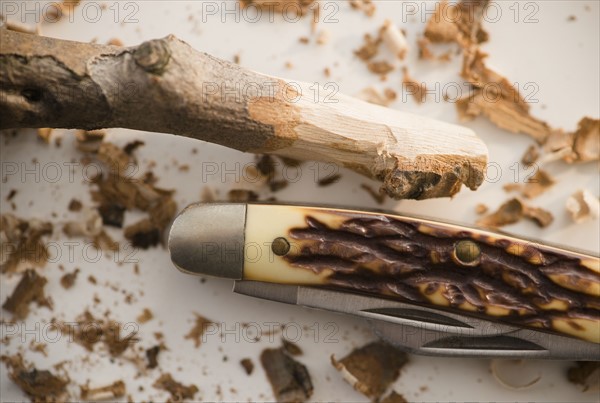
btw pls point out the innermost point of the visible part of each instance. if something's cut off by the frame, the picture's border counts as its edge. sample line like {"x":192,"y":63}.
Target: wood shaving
{"x":585,"y":374}
{"x":416,"y":89}
{"x":582,"y":145}
{"x":75,"y":205}
{"x":481,"y":209}
{"x":374,"y":96}
{"x":583,"y":206}
{"x":89,"y":141}
{"x":394,"y":39}
{"x":381,"y":67}
{"x":21,"y":243}
{"x":369,"y":49}
{"x":146,"y":316}
{"x":20,"y":27}
{"x":329,"y":180}
{"x":425,"y":52}
{"x":112,"y":214}
{"x":115,"y":42}
{"x":67,"y":281}
{"x":11,"y":194}
{"x":242,"y":196}
{"x":196,"y":332}
{"x":323,"y":37}
{"x":393,"y":397}
{"x":40,"y":385}
{"x":493,"y":96}
{"x":371,"y":369}
{"x":143,"y":234}
{"x":207,"y":195}
{"x":531,"y":155}
{"x":289,"y":379}
{"x":44,"y":134}
{"x":30,"y":289}
{"x":248,"y":365}
{"x":88,"y":225}
{"x":458,"y":22}
{"x":366,"y":6}
{"x":108,"y":392}
{"x":512,"y":211}
{"x":117,"y":191}
{"x":60,"y":9}
{"x":291,"y":348}
{"x":501,"y":103}
{"x":88,"y":331}
{"x":540,"y":182}
{"x":152,"y":356}
{"x":178,"y":391}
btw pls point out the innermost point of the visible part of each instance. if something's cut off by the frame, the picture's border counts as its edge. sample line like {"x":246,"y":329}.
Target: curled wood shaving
{"x":583,"y":206}
{"x":108,"y":392}
{"x":512,"y":211}
{"x":582,"y":145}
{"x":21,"y":242}
{"x":289,"y":379}
{"x":511,"y":374}
{"x":371,"y":369}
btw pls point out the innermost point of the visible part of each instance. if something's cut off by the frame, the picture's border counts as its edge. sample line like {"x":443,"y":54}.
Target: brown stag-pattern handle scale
{"x":489,"y":275}
{"x":166,"y":86}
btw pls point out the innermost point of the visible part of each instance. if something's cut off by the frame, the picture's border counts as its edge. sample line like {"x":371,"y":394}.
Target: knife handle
{"x":476,"y":272}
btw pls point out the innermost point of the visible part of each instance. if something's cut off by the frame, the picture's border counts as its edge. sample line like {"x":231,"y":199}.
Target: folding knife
{"x":427,"y":287}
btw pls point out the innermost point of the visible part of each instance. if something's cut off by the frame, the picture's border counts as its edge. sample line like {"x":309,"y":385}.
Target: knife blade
{"x":427,"y":286}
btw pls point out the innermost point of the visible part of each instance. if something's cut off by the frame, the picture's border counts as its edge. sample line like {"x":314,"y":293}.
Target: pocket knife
{"x":428,"y":287}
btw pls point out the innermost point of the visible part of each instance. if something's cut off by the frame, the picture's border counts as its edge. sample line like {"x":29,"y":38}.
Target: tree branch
{"x":164,"y":85}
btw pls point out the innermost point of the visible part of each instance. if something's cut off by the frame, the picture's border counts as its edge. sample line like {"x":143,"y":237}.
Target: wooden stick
{"x":164,"y":85}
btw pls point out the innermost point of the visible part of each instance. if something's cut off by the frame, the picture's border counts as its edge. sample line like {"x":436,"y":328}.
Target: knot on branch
{"x":153,"y":56}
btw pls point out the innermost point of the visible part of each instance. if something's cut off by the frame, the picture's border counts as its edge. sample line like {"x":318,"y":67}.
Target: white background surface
{"x":560,"y":58}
